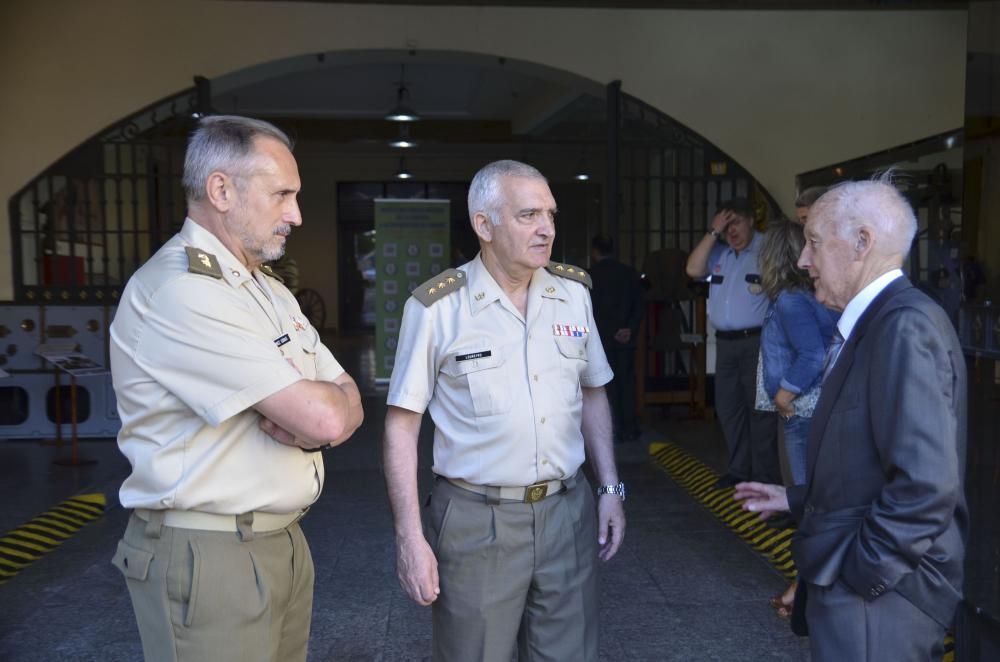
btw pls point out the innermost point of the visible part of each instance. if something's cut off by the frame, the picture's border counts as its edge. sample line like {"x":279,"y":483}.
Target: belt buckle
{"x":536,"y":492}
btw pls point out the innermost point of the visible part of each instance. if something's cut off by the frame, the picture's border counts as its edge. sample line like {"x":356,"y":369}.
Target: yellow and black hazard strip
{"x":699,"y":481}
{"x":34,"y":539}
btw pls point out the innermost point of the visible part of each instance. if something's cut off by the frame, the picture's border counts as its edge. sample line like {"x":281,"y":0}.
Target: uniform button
{"x":809,"y":508}
{"x":535,"y":378}
{"x":236,"y":273}
{"x":545,"y":461}
{"x":543,"y":419}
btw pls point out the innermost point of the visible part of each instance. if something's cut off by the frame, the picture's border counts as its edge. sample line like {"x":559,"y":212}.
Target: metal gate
{"x":84,"y":225}
{"x":664,"y":185}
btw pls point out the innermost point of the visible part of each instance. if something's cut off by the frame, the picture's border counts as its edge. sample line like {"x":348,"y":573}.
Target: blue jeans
{"x":796,"y":434}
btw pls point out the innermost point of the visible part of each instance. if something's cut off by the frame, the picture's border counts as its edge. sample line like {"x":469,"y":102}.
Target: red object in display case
{"x":62,"y":270}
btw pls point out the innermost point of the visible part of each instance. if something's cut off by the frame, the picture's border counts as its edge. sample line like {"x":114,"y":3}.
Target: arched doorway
{"x":84,"y":225}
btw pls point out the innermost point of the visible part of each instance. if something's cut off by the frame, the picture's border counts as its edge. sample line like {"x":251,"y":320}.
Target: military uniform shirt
{"x":731,"y":304}
{"x":191,"y":354}
{"x":504,"y":391}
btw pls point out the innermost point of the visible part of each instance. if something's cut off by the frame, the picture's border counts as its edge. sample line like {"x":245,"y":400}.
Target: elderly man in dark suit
{"x":882,"y":516}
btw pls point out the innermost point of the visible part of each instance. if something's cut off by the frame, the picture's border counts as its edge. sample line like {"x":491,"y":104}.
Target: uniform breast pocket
{"x":307,"y":339}
{"x":573,"y":361}
{"x":478,"y":377}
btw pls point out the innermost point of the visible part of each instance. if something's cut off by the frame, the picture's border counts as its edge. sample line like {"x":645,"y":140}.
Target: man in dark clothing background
{"x":618,"y":310}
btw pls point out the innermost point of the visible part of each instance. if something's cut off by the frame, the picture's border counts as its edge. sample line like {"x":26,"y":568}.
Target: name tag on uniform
{"x":474,"y":355}
{"x":571,"y":330}
{"x":281,"y":340}
{"x":717,"y":279}
{"x":753,"y":284}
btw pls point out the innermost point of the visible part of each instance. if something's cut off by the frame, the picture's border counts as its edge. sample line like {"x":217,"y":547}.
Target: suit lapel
{"x":834,"y":382}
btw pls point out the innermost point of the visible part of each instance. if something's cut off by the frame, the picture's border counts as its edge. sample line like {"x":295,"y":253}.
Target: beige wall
{"x":781,"y":92}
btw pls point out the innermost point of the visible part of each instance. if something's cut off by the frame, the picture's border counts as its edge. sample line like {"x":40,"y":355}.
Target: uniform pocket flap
{"x":473,"y":360}
{"x":572,"y":348}
{"x":133,"y":562}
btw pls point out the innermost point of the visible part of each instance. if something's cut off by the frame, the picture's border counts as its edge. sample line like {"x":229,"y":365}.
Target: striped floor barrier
{"x":34,"y":539}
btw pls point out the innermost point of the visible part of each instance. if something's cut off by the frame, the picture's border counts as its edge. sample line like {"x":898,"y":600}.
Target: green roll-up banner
{"x":412,"y":244}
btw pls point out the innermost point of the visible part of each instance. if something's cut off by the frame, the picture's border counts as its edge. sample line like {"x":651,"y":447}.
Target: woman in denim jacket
{"x":794,"y":337}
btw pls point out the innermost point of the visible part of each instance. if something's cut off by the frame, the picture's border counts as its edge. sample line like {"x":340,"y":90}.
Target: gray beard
{"x":258,"y":250}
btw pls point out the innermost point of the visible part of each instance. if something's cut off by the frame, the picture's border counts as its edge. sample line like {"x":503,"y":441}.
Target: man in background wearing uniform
{"x":618,"y":310}
{"x":728,"y":254}
{"x":224,"y":390}
{"x":503,"y":353}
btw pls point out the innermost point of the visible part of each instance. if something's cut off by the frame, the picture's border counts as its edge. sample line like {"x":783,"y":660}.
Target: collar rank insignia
{"x":440,"y":286}
{"x":266,"y":268}
{"x":200,"y":262}
{"x":570,"y":272}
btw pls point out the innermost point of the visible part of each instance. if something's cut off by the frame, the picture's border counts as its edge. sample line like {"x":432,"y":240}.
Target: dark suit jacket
{"x":617,"y":298}
{"x":883,"y":508}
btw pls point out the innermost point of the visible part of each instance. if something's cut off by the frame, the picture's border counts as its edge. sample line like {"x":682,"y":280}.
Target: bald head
{"x":876,"y":205}
{"x":856,"y":232}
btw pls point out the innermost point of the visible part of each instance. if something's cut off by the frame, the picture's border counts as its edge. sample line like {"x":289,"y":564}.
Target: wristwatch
{"x":618,"y":489}
{"x":715,"y":233}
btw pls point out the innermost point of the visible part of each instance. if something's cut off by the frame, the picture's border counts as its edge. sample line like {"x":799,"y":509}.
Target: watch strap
{"x":617,"y":489}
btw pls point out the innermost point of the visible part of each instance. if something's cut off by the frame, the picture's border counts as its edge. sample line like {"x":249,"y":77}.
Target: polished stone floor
{"x":682,"y":588}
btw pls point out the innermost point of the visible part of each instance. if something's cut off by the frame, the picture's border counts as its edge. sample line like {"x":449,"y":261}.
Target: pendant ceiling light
{"x":403,"y":141}
{"x":402,"y":112}
{"x":403,"y":172}
{"x":582,"y":173}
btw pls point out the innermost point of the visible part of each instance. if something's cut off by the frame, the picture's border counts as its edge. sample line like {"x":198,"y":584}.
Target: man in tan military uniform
{"x":223,"y":389}
{"x":505,"y":355}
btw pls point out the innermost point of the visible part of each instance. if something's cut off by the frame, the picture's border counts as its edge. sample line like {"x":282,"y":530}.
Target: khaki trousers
{"x":514,"y":573}
{"x":213,"y":596}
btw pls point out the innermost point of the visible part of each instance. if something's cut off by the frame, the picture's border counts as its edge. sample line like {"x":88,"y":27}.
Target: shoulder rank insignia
{"x":571,"y":272}
{"x":436,"y":288}
{"x":200,"y":262}
{"x":266,"y":268}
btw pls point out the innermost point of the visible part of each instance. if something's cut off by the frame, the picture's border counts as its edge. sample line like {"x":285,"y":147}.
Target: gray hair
{"x":224,"y":143}
{"x":485,"y":192}
{"x":875,"y":203}
{"x":809,"y":196}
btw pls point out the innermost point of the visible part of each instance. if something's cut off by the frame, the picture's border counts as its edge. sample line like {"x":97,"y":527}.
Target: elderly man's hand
{"x":762,"y":498}
{"x":610,"y":525}
{"x":417,"y":570}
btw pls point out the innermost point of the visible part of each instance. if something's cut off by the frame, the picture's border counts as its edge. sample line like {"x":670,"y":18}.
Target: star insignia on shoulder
{"x":440,"y":286}
{"x":570,"y":272}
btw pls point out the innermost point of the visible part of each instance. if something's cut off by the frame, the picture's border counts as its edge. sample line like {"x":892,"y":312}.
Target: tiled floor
{"x":682,"y":588}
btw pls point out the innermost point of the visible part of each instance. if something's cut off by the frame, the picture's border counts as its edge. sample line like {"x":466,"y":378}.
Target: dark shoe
{"x":726,"y":481}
